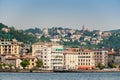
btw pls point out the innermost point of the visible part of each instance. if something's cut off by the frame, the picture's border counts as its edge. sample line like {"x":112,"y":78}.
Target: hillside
{"x":82,"y":38}
{"x":117,"y":30}
{"x":65,"y":36}
{"x":17,"y":34}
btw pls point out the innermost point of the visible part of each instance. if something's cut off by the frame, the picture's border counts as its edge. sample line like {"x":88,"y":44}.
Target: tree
{"x":43,"y":39}
{"x":39,"y":63}
{"x":111,"y":65}
{"x":101,"y":66}
{"x":24,"y":63}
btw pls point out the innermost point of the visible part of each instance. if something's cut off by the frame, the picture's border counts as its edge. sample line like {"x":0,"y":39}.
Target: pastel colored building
{"x":86,"y":59}
{"x":9,"y":47}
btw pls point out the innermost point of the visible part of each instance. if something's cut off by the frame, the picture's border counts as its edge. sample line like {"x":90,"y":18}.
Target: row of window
{"x":83,"y":63}
{"x":83,"y":56}
{"x":83,"y":60}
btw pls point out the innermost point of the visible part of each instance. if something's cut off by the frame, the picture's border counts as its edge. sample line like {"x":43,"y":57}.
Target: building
{"x":86,"y":59}
{"x":50,"y":53}
{"x":111,"y":56}
{"x":57,"y":56}
{"x":9,"y":47}
{"x":15,"y":60}
{"x":70,"y":59}
{"x":45,"y":31}
{"x":12,"y":60}
{"x":32,"y":60}
{"x":101,"y":56}
{"x":78,"y":58}
{"x":116,"y":58}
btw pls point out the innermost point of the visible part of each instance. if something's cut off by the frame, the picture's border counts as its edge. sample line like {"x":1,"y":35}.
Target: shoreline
{"x":57,"y":71}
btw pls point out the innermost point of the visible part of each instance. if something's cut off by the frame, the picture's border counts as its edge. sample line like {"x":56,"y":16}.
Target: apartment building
{"x":50,"y":53}
{"x":9,"y":47}
{"x":86,"y":59}
{"x":101,"y":56}
{"x":70,"y":59}
{"x":78,"y":58}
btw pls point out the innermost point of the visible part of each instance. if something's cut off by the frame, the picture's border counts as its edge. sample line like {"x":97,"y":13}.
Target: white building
{"x":50,"y":53}
{"x":70,"y":59}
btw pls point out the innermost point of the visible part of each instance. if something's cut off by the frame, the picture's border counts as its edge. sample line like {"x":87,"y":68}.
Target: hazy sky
{"x":94,"y":14}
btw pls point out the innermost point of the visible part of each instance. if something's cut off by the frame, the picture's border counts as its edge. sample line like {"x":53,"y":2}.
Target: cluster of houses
{"x":55,"y":56}
{"x":68,"y":35}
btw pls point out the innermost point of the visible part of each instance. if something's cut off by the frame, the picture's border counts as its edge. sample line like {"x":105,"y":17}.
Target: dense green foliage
{"x":45,"y":39}
{"x":101,"y":66}
{"x":111,"y":65}
{"x":39,"y":63}
{"x":20,"y":35}
{"x":112,"y":41}
{"x":34,"y":31}
{"x":24,"y":63}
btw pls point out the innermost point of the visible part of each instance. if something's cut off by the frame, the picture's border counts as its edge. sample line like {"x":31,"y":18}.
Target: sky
{"x":93,"y":14}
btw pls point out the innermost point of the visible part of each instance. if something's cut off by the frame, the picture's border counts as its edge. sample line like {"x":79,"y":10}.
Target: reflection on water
{"x":60,"y":76}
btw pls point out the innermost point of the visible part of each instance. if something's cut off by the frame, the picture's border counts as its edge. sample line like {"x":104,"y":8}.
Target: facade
{"x":116,"y":58}
{"x":9,"y":47}
{"x":50,"y":53}
{"x":13,"y":60}
{"x":111,"y":56}
{"x":32,"y":60}
{"x":78,"y":58}
{"x":70,"y":59}
{"x":86,"y":59}
{"x":57,"y":56}
{"x":101,"y":56}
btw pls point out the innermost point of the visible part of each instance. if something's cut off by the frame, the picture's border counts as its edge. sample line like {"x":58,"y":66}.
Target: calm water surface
{"x":60,"y":76}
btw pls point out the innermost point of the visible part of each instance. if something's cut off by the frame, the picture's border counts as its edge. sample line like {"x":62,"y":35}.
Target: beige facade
{"x":9,"y":47}
{"x":32,"y":60}
{"x":86,"y":59}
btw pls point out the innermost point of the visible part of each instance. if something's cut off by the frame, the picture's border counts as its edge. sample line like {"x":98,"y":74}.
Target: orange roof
{"x":87,"y":50}
{"x":84,"y":67}
{"x":111,"y":53}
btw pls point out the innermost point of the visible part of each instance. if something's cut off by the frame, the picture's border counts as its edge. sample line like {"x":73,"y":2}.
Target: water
{"x":60,"y":76}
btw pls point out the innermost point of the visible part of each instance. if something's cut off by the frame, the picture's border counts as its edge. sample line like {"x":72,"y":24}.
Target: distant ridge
{"x":117,"y":30}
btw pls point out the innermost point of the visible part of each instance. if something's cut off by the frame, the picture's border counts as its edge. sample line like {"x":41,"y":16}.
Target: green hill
{"x":17,"y":34}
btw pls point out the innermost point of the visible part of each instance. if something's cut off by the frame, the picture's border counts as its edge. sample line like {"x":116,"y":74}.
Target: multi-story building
{"x":70,"y":59}
{"x":57,"y":56}
{"x":50,"y":53}
{"x":9,"y":47}
{"x":101,"y":56}
{"x":86,"y":59}
{"x":78,"y":58}
{"x":32,"y":60}
{"x":16,"y":60}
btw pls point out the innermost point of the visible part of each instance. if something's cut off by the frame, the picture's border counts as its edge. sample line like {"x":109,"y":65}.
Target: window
{"x":32,"y":63}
